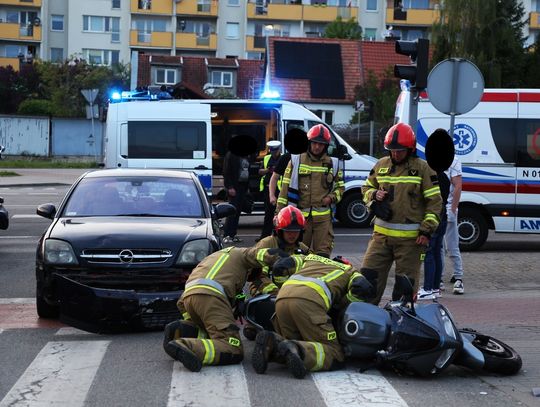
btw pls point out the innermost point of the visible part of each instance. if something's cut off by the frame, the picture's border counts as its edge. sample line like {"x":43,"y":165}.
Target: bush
{"x":36,"y":107}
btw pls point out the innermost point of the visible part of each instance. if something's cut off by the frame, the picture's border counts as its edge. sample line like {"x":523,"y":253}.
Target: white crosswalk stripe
{"x":61,"y":374}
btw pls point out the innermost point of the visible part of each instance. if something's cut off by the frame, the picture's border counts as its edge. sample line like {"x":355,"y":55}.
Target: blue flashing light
{"x":116,"y":96}
{"x":405,"y":84}
{"x":270,"y":94}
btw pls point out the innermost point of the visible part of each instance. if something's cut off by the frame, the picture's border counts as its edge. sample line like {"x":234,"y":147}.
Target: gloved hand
{"x":362,"y":288}
{"x":381,"y":209}
{"x":370,"y":274}
{"x":283,"y":266}
{"x":278,"y":251}
{"x":341,"y":259}
{"x":239,"y":306}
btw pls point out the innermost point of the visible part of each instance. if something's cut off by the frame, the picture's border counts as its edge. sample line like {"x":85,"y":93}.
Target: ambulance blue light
{"x":270,"y":94}
{"x":116,"y":96}
{"x":405,"y":84}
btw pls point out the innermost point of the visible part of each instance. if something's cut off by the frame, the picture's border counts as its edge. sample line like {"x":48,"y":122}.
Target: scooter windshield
{"x":411,"y":335}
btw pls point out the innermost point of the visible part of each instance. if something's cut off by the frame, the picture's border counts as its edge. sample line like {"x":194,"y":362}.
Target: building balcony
{"x":25,"y":3}
{"x":412,"y":17}
{"x":255,"y":43}
{"x":275,"y":12}
{"x":193,"y":8}
{"x":13,"y":31}
{"x":152,"y":7}
{"x":323,"y":12}
{"x":535,"y":21}
{"x":194,"y":41}
{"x":6,"y":61}
{"x":146,"y":40}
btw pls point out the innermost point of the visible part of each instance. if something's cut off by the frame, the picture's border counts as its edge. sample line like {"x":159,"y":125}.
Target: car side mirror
{"x":342,"y":153}
{"x":46,"y":210}
{"x":224,"y":210}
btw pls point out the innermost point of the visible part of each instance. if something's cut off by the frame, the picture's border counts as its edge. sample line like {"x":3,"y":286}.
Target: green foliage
{"x":532,"y":65}
{"x":36,"y":107}
{"x":338,"y":28}
{"x":489,"y":33}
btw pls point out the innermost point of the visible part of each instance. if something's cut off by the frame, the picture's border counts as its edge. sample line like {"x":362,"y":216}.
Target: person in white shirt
{"x":454,"y":173}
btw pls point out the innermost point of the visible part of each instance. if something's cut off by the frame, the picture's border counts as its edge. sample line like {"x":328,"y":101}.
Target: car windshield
{"x":135,"y":196}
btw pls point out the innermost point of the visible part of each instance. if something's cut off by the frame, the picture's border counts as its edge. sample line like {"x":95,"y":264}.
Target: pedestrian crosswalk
{"x":76,"y":368}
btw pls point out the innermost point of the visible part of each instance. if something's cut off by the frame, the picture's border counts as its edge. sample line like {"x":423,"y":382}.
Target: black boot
{"x":250,"y":332}
{"x":182,"y":354}
{"x":294,"y":361}
{"x":266,"y":348}
{"x":179,"y":329}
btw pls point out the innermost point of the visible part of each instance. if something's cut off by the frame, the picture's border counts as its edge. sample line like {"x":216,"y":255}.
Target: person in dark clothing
{"x":275,"y":181}
{"x":269,"y":162}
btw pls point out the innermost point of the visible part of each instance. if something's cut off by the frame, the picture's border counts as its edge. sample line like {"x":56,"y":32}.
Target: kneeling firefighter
{"x":306,"y":338}
{"x":208,"y":334}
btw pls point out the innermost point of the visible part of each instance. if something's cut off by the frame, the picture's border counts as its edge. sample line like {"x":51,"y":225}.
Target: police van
{"x":194,"y":134}
{"x":498,"y":144}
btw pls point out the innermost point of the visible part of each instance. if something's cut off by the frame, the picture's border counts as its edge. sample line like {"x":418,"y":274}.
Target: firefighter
{"x":305,"y":338}
{"x":404,"y":194}
{"x":269,"y":162}
{"x":313,"y":183}
{"x":208,"y":334}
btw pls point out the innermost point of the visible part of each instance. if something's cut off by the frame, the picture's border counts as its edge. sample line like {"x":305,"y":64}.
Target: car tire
{"x":472,"y":229}
{"x":44,"y":310}
{"x":352,"y":212}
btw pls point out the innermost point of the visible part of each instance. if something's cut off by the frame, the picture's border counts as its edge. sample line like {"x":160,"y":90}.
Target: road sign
{"x":90,"y":95}
{"x":455,"y":86}
{"x":359,"y":106}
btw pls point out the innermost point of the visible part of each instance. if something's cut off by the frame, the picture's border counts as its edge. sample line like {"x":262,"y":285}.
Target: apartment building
{"x":110,"y":31}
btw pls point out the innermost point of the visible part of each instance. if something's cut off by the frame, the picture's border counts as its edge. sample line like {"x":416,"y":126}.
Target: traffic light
{"x":417,"y":72}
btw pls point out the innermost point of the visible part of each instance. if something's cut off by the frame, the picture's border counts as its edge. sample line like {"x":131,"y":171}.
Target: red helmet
{"x":319,"y":134}
{"x":289,"y":219}
{"x":400,"y":137}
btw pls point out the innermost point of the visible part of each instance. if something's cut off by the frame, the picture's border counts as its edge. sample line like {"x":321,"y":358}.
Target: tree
{"x":532,"y":65}
{"x":338,"y":28}
{"x":489,"y":33}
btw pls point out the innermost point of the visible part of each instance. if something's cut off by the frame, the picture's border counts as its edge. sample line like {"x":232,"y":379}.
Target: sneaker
{"x":295,"y":364}
{"x":441,"y":286}
{"x":182,"y":354}
{"x":458,"y":287}
{"x":437,"y":293}
{"x":266,"y":345}
{"x":425,"y":295}
{"x":227,"y":239}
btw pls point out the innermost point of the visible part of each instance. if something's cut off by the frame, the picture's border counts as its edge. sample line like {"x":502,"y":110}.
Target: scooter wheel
{"x":499,"y":357}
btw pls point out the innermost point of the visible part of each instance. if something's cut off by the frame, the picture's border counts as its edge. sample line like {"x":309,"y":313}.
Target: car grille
{"x":158,"y":319}
{"x":126,"y":256}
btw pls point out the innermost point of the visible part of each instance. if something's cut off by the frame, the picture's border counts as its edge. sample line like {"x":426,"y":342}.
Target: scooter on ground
{"x":419,"y":339}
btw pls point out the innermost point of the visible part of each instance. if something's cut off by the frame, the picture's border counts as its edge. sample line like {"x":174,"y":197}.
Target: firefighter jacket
{"x":265,"y":283}
{"x":307,"y":180}
{"x":323,"y":281}
{"x":413,"y":196}
{"x":224,"y":273}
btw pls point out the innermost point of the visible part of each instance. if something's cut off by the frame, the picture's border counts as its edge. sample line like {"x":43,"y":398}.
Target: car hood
{"x":109,"y":232}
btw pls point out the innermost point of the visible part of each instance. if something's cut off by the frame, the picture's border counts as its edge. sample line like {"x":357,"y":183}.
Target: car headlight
{"x":194,"y":251}
{"x":59,"y":252}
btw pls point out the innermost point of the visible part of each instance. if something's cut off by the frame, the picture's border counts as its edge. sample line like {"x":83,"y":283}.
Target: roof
{"x":377,"y":56}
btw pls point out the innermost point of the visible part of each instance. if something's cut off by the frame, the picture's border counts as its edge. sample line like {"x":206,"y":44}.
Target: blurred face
{"x":398,"y":156}
{"x":290,"y":237}
{"x":316,"y":148}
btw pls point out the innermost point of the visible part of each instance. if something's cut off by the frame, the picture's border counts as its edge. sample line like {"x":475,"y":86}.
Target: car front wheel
{"x":353,"y":213}
{"x":472,"y":229}
{"x":44,"y":309}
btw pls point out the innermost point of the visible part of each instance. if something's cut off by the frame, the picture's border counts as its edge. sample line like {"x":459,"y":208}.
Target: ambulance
{"x":193,"y":135}
{"x":498,"y":144}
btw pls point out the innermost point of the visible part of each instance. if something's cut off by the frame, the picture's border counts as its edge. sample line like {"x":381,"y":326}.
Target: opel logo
{"x":126,"y":256}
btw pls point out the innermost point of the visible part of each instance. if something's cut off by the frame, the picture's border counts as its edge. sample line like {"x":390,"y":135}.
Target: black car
{"x":4,"y":216}
{"x":121,"y":247}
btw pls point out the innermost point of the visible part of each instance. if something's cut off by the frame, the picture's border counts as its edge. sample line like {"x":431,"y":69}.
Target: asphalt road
{"x":502,"y":299}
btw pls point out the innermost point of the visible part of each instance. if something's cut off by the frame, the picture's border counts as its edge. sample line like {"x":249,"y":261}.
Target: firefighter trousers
{"x":381,"y":253}
{"x":215,"y":316}
{"x":319,"y":234}
{"x":309,"y":326}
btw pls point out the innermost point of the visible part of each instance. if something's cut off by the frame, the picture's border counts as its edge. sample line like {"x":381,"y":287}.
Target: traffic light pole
{"x":413,"y":108}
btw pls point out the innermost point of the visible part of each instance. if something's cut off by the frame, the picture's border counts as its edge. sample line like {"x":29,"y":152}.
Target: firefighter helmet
{"x":319,"y":134}
{"x":289,"y":219}
{"x":400,"y":137}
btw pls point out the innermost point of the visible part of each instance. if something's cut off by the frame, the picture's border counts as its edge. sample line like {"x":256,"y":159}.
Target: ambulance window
{"x":180,"y":140}
{"x":294,"y":124}
{"x":503,"y":132}
{"x":528,"y":143}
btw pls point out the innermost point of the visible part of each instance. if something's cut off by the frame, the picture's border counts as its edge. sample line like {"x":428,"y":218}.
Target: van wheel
{"x":353,"y":213}
{"x":472,"y":229}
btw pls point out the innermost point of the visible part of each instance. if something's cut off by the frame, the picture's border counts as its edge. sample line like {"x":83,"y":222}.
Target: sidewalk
{"x":41,"y":176}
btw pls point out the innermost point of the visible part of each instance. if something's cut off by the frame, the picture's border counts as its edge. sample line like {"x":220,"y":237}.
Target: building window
{"x":145,"y":4}
{"x":204,"y":6}
{"x":370,"y":34}
{"x":233,"y":2}
{"x":101,"y":56}
{"x":57,"y":55}
{"x":165,"y":76}
{"x":13,"y":51}
{"x":57,"y":22}
{"x":100,"y":24}
{"x":371,"y":5}
{"x":115,"y":3}
{"x":221,"y":79}
{"x":233,"y":30}
{"x":416,"y":4}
